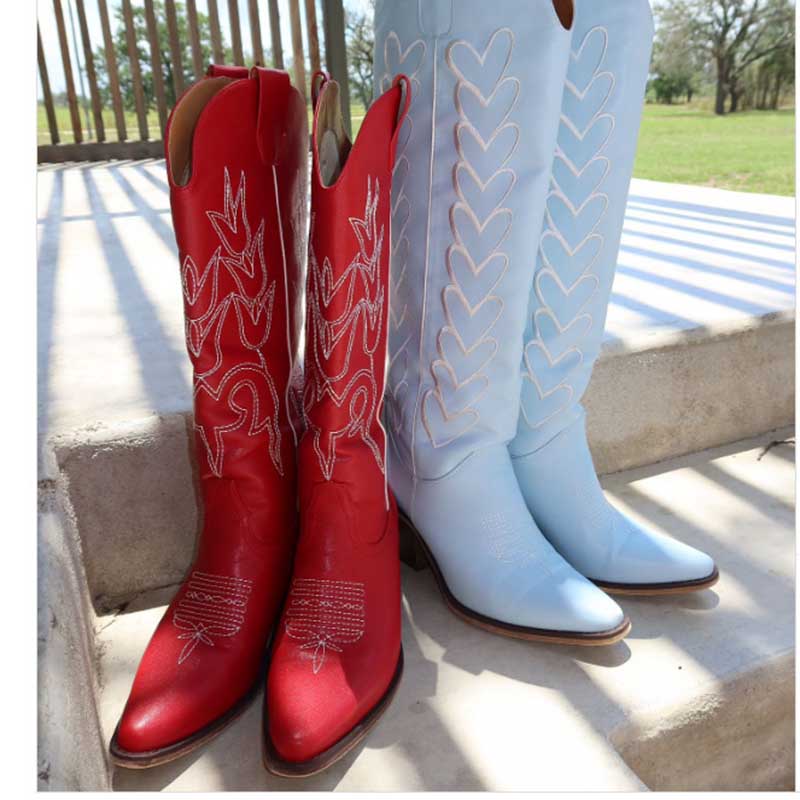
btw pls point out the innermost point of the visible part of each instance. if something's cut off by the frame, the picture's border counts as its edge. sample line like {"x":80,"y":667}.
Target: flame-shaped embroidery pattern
{"x":485,"y":97}
{"x":212,"y":607}
{"x":325,"y":615}
{"x":570,"y":244}
{"x":346,"y":321}
{"x":231,"y":301}
{"x":409,"y":61}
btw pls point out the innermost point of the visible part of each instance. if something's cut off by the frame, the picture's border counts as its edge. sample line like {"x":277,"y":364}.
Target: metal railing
{"x":140,"y":142}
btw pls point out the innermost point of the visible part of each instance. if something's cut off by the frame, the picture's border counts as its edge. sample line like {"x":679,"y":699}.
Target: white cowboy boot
{"x":592,"y":168}
{"x":469,"y":187}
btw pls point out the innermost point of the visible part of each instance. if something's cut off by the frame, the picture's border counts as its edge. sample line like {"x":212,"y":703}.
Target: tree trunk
{"x":776,"y":92}
{"x":735,"y":95}
{"x":719,"y":103}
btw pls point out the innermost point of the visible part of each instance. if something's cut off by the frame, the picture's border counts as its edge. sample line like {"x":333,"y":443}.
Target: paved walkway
{"x":110,"y":325}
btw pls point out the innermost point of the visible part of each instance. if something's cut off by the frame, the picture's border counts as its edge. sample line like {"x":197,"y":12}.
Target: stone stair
{"x":699,"y":696}
{"x":698,"y":354}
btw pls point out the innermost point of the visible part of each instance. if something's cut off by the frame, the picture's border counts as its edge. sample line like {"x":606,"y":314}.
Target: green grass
{"x":65,"y":125}
{"x":750,"y":151}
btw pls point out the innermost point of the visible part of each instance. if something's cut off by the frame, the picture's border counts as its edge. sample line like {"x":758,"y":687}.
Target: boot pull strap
{"x":404,"y":84}
{"x":224,"y":71}
{"x":274,"y":88}
{"x":318,"y":80}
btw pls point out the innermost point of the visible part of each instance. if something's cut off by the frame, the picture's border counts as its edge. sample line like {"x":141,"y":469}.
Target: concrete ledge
{"x":751,"y":715}
{"x":71,"y":748}
{"x":667,"y":394}
{"x":131,"y":491}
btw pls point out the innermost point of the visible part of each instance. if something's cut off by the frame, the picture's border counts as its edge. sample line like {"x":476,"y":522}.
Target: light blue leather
{"x":600,"y":117}
{"x":473,"y":163}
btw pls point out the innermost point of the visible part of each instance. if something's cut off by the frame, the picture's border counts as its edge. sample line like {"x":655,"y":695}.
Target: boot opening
{"x":565,"y":11}
{"x":184,"y":122}
{"x":332,"y":141}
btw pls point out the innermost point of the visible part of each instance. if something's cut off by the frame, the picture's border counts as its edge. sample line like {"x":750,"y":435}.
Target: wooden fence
{"x":139,"y":142}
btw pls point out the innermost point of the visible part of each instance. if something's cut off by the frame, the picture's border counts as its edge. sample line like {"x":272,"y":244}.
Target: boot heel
{"x":411,"y":552}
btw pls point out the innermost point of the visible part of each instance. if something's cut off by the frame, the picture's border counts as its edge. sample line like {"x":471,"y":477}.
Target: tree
{"x":143,"y":51}
{"x":735,"y":34}
{"x":360,"y":53}
{"x":680,"y":56}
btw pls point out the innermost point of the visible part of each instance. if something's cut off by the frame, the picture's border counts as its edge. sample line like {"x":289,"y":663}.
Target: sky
{"x":47,"y":26}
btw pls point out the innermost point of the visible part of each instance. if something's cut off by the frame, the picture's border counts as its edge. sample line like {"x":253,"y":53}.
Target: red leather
{"x":338,"y":643}
{"x":240,"y":225}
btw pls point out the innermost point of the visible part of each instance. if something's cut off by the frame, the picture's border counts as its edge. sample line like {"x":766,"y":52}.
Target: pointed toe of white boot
{"x":651,"y":563}
{"x":580,"y":606}
{"x":565,"y":498}
{"x":492,"y":565}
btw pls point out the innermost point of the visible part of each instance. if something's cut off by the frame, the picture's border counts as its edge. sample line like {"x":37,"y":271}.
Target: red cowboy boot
{"x":236,"y":160}
{"x":337,"y":657}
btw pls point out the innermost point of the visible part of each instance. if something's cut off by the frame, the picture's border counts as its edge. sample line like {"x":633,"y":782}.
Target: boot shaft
{"x":347,"y":292}
{"x":592,"y":168}
{"x":473,"y":164}
{"x":236,"y":160}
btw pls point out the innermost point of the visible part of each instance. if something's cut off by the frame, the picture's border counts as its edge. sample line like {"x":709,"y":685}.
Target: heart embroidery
{"x":443,"y":428}
{"x":565,"y":303}
{"x":569,"y":246}
{"x":580,"y":107}
{"x":457,"y":397}
{"x":478,"y":194}
{"x":480,"y":238}
{"x":404,"y":136}
{"x":487,"y":113}
{"x":550,"y":371}
{"x":575,"y":224}
{"x":559,"y":339}
{"x":539,"y":407}
{"x":485,"y":140}
{"x":579,"y":186}
{"x":476,"y":282}
{"x":465,"y":363}
{"x":566,"y":262}
{"x":486,"y":156}
{"x":400,"y":214}
{"x":580,"y":147}
{"x":586,"y":60}
{"x":471,"y":322}
{"x":400,"y":173}
{"x":482,"y":70}
{"x":395,"y":58}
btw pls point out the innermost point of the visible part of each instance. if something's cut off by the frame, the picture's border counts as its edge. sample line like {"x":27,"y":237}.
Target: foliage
{"x":680,"y":61}
{"x":360,"y":51}
{"x":734,"y":38}
{"x":143,"y":51}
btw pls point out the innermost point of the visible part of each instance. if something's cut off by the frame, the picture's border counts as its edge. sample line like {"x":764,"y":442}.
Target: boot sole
{"x":656,"y":589}
{"x":305,"y":769}
{"x":155,"y":758}
{"x":419,"y":548}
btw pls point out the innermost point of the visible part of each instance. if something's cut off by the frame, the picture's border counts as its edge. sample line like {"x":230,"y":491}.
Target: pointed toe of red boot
{"x":185,"y":692}
{"x":302,"y":726}
{"x":150,"y":723}
{"x":314,"y":718}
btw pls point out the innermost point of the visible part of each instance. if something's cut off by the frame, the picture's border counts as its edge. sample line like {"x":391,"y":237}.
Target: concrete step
{"x":699,"y":337}
{"x":700,"y":696}
{"x":698,"y":353}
